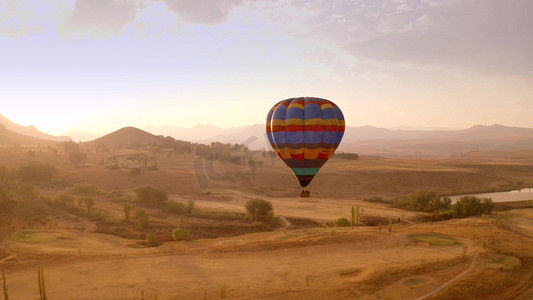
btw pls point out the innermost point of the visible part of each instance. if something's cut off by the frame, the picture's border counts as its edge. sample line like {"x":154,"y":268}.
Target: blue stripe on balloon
{"x":313,"y":137}
{"x":312,"y":111}
{"x":294,"y":137}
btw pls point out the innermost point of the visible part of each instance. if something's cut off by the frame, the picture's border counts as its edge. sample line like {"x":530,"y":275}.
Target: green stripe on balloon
{"x":305,"y":171}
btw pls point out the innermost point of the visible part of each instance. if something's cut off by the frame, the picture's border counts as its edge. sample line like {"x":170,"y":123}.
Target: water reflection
{"x":515,"y":195}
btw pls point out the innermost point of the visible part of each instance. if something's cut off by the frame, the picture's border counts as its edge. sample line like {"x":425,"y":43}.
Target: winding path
{"x":448,"y":283}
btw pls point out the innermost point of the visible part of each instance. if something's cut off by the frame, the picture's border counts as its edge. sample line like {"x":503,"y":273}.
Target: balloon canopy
{"x":305,"y":132}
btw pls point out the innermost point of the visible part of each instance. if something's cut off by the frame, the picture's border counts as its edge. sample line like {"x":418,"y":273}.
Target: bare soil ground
{"x":309,"y":260}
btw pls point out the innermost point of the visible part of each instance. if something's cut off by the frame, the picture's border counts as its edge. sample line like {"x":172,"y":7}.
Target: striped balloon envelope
{"x":305,"y":132}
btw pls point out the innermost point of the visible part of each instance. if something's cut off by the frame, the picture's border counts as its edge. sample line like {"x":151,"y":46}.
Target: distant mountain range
{"x":397,"y":143}
{"x":30,"y":131}
{"x":367,"y":140}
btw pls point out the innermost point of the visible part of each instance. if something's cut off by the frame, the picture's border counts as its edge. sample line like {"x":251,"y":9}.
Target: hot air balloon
{"x":305,"y":132}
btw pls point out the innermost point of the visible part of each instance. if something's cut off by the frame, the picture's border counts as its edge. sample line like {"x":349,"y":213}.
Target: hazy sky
{"x":99,"y":65}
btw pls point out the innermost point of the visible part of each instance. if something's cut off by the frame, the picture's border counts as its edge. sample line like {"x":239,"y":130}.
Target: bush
{"x":342,"y":222}
{"x":180,"y":234}
{"x":190,"y":206}
{"x":89,"y":202}
{"x":143,"y":220}
{"x":175,"y":207}
{"x":66,"y":200}
{"x":5,"y":173}
{"x":127,"y":209}
{"x":472,"y":206}
{"x":37,"y":172}
{"x":135,"y":171}
{"x":6,"y":200}
{"x":28,"y":192}
{"x":151,"y":196}
{"x":86,"y":189}
{"x":152,"y":240}
{"x":424,"y":201}
{"x":260,"y":210}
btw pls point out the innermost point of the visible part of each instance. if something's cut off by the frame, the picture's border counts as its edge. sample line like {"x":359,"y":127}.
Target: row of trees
{"x":443,"y":207}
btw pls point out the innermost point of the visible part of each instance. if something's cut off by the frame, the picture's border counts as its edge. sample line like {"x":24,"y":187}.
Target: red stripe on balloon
{"x":298,"y":156}
{"x":293,"y":128}
{"x":322,"y":156}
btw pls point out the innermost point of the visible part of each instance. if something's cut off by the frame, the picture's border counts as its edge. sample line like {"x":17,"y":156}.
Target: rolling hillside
{"x":8,"y":137}
{"x":30,"y":131}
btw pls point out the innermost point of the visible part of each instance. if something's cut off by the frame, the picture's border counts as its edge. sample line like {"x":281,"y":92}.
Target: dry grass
{"x":311,"y":259}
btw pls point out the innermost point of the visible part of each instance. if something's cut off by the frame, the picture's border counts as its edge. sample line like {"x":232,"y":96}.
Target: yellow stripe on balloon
{"x":284,"y":152}
{"x":295,"y":105}
{"x":326,"y":105}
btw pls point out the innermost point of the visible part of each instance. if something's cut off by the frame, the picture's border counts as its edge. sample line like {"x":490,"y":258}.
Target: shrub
{"x":342,"y":222}
{"x":472,"y":206}
{"x":143,"y":220}
{"x":260,"y":210}
{"x":190,"y":206}
{"x":151,"y":196}
{"x":175,"y":207}
{"x":28,"y":192}
{"x":86,"y":189}
{"x":127,"y":209}
{"x":37,"y":171}
{"x":66,"y":200}
{"x":5,"y":173}
{"x":6,"y":200}
{"x":424,"y":201}
{"x":152,"y":240}
{"x":89,"y":202}
{"x":135,"y":171}
{"x":180,"y":234}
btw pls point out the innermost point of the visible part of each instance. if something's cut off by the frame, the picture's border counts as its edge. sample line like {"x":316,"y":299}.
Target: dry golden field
{"x":100,"y":255}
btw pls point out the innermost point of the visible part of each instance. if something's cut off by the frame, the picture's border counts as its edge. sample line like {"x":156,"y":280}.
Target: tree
{"x":487,"y":205}
{"x":180,"y":234}
{"x":89,"y":202}
{"x":6,"y":200}
{"x":37,"y":171}
{"x":190,"y":206}
{"x":342,"y":222}
{"x":260,"y":210}
{"x":4,"y":173}
{"x":127,"y":209}
{"x":357,"y":216}
{"x":353,"y":216}
{"x":151,"y":196}
{"x":143,"y":220}
{"x":152,"y":240}
{"x":66,"y":200}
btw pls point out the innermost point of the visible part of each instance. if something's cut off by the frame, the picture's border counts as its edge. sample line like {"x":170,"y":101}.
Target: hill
{"x":126,"y":137}
{"x":30,"y":131}
{"x":8,"y":137}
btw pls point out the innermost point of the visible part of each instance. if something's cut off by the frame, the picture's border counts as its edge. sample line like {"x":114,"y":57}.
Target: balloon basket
{"x":305,"y":193}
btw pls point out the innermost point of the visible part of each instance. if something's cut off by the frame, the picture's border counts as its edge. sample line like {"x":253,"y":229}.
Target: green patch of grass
{"x":38,"y":237}
{"x":414,"y":281}
{"x":434,"y":239}
{"x":499,"y":258}
{"x":350,"y":272}
{"x":289,"y":236}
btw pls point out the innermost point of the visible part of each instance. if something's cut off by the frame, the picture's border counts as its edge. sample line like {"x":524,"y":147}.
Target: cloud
{"x":101,"y":17}
{"x":203,"y":11}
{"x":487,"y":36}
{"x":20,"y":18}
{"x":482,"y":35}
